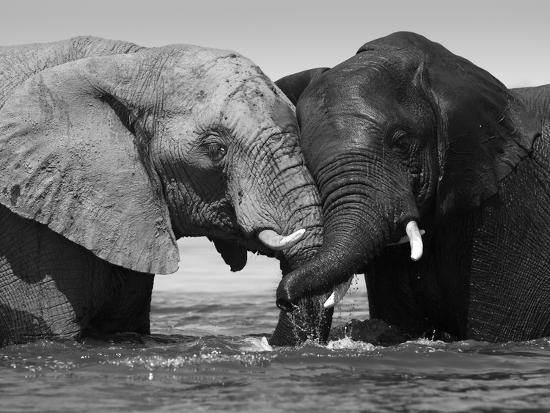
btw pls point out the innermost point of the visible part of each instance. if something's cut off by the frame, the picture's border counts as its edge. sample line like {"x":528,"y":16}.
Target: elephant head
{"x":401,"y":136}
{"x":125,"y":153}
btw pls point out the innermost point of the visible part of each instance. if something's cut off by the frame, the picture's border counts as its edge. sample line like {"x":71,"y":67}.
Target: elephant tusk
{"x":415,"y":240}
{"x":338,"y":294}
{"x":404,"y":239}
{"x":279,"y":242}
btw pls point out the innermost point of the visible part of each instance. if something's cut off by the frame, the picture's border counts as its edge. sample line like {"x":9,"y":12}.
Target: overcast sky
{"x":512,"y":41}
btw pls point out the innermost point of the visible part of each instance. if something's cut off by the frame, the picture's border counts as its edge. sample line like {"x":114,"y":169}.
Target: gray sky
{"x":286,"y":36}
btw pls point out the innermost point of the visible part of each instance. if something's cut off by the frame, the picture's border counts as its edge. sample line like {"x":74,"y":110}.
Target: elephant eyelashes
{"x":216,"y":151}
{"x":402,"y":141}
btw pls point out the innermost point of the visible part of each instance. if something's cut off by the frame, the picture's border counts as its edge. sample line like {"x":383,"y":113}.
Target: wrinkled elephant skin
{"x":405,"y":131}
{"x":110,"y":152}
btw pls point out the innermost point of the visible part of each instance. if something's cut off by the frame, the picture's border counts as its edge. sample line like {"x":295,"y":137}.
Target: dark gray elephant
{"x":536,"y":99}
{"x":110,"y":152}
{"x":404,"y":137}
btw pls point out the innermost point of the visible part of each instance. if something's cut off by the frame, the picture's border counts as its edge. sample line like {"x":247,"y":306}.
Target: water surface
{"x":208,"y":352}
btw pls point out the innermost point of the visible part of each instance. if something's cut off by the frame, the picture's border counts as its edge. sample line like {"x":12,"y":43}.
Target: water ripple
{"x":208,"y":356}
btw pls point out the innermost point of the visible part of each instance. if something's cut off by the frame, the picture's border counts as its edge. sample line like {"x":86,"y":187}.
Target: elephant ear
{"x":293,"y":85}
{"x":71,"y":160}
{"x":483,"y":130}
{"x":232,"y":253}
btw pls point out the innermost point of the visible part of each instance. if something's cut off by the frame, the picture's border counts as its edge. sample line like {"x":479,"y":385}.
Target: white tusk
{"x":404,"y":239}
{"x":338,"y":294}
{"x":278,"y":242}
{"x":415,"y":240}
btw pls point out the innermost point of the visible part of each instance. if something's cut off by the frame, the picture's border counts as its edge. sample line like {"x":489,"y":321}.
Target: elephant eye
{"x":216,"y":151}
{"x":402,"y":141}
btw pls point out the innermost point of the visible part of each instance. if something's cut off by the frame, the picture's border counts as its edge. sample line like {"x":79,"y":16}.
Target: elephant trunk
{"x":365,"y":207}
{"x":311,"y":321}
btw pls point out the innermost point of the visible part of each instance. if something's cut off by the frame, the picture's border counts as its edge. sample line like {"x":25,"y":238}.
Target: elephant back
{"x":536,"y":99}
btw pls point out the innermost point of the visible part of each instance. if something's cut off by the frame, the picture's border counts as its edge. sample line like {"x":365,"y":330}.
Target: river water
{"x":208,"y":352}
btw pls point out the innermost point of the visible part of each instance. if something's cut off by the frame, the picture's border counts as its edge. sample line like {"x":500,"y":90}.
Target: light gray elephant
{"x":110,"y":152}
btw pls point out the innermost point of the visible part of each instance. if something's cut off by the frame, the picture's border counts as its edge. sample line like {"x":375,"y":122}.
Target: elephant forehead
{"x":205,"y":68}
{"x":224,"y":88}
{"x":249,"y":107}
{"x":217,"y":87}
{"x":359,"y":95}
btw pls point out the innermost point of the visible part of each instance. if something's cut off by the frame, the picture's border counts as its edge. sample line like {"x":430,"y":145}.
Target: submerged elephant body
{"x":110,"y":152}
{"x":52,"y":287}
{"x":407,"y":132}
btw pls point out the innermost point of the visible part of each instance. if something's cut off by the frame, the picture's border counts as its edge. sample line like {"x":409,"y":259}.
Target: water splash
{"x":203,"y":358}
{"x":347,"y":343}
{"x":255,"y":344}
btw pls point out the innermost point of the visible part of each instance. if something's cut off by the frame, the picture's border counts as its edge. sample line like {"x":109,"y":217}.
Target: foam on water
{"x":256,"y":344}
{"x":347,"y":343}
